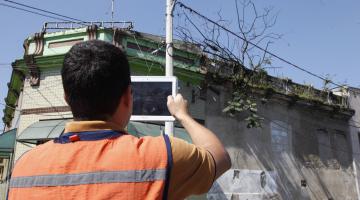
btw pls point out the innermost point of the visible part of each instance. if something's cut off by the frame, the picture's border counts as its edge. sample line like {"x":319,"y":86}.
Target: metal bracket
{"x":92,"y":32}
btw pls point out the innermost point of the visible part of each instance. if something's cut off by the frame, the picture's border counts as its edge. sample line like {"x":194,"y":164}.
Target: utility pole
{"x":112,"y":13}
{"x":169,"y":67}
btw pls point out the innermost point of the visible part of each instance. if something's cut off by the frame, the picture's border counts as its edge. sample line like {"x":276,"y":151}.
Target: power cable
{"x":51,"y":105}
{"x":257,"y":46}
{"x":230,"y":60}
{"x":15,"y":109}
{"x":145,"y":57}
{"x":42,"y":10}
{"x":270,"y":53}
{"x":42,"y":114}
{"x":33,"y":12}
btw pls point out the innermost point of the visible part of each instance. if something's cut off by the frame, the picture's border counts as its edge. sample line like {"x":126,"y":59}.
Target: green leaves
{"x":242,"y":103}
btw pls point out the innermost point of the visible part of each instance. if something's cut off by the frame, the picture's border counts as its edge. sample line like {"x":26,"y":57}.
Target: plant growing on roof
{"x":229,"y":58}
{"x":327,"y":82}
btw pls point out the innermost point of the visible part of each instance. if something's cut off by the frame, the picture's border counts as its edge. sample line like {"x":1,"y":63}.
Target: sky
{"x":321,"y":36}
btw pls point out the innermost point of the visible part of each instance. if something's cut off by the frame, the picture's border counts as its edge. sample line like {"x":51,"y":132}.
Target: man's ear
{"x":127,"y":97}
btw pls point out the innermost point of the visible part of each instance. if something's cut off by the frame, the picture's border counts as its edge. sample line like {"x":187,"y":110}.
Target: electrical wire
{"x":181,"y":5}
{"x":49,"y":115}
{"x":51,"y":105}
{"x":272,"y":54}
{"x":192,"y":11}
{"x":187,"y":17}
{"x":285,"y":128}
{"x":33,"y":12}
{"x":262,"y":49}
{"x":268,"y":119}
{"x":145,"y":57}
{"x":42,"y":10}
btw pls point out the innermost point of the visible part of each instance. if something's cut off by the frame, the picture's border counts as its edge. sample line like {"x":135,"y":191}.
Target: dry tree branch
{"x":225,"y":50}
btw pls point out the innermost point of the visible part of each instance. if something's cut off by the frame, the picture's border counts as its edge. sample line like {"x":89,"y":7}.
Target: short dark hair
{"x":95,"y":75}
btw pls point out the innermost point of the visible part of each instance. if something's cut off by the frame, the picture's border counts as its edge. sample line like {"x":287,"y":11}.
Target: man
{"x":96,"y":159}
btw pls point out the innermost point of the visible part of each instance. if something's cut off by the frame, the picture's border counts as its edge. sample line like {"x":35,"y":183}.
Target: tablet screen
{"x":150,"y":98}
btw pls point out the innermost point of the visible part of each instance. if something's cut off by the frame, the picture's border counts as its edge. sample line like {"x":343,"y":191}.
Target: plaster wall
{"x":318,"y":153}
{"x":48,"y":94}
{"x":354,"y":102}
{"x":318,"y":144}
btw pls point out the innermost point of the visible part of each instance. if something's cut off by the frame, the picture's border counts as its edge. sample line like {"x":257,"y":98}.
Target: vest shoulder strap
{"x":168,"y":167}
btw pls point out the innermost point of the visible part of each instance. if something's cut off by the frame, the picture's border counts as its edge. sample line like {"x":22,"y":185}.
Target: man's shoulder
{"x":37,"y":149}
{"x":43,"y":147}
{"x":156,"y":141}
{"x":32,"y":159}
{"x":179,"y":145}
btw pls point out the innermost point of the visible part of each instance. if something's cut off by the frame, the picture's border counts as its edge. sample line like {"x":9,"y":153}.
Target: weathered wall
{"x":354,"y":102}
{"x":316,"y":150}
{"x":48,"y":94}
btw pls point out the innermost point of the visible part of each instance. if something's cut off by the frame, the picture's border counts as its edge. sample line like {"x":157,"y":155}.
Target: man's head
{"x":96,"y":79}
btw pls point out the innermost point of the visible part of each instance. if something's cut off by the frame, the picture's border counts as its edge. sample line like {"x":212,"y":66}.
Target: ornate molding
{"x":39,"y":44}
{"x":26,"y":45}
{"x":92,"y":32}
{"x":29,"y":58}
{"x":117,"y":38}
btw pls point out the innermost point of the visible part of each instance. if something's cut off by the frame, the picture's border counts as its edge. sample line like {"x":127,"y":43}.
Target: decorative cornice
{"x":39,"y":44}
{"x":92,"y":32}
{"x":118,"y":36}
{"x":30,"y":60}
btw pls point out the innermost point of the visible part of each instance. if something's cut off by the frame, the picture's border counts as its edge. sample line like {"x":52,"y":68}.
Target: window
{"x":324,"y":144}
{"x":280,"y":136}
{"x":341,"y":147}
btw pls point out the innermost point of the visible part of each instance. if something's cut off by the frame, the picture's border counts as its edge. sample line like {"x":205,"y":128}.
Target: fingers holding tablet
{"x":178,"y":106}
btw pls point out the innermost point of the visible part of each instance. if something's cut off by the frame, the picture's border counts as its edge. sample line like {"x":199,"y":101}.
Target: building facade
{"x":305,"y":149}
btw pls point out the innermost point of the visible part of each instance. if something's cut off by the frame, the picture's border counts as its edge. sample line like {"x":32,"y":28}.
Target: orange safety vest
{"x":94,"y":165}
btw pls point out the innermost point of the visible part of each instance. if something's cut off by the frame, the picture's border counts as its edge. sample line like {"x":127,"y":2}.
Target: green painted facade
{"x":146,"y":55}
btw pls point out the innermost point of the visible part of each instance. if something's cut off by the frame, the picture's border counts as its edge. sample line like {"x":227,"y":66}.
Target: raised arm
{"x":201,"y":136}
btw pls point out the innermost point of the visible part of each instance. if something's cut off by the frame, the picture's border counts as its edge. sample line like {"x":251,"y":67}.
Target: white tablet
{"x":150,"y":97}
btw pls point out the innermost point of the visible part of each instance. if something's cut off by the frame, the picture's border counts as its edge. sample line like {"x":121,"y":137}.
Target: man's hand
{"x":178,"y":107}
{"x":201,"y":136}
